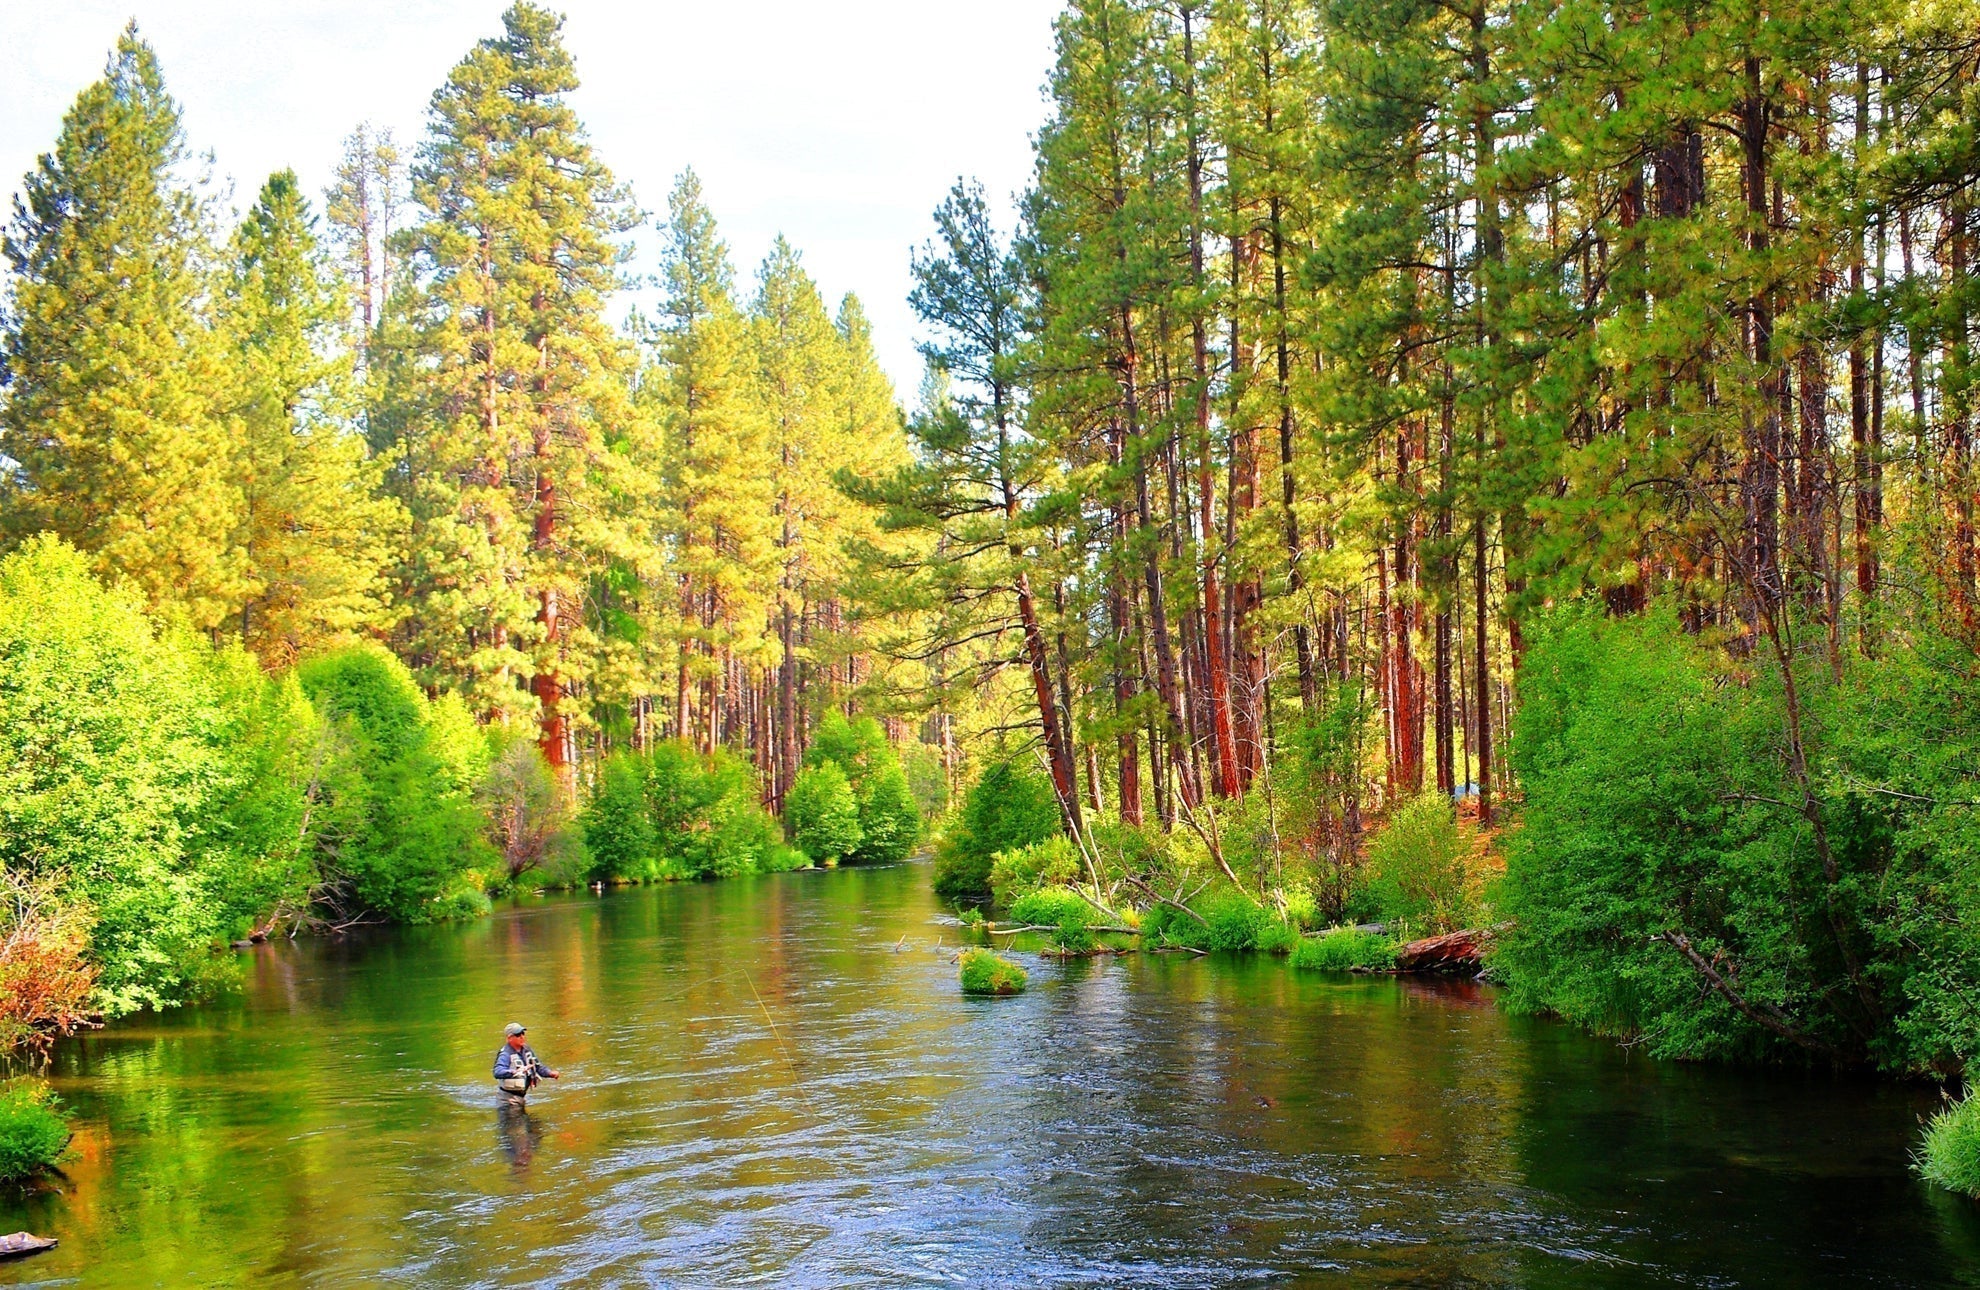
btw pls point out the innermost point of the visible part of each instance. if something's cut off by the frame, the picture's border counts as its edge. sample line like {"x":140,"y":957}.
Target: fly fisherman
{"x":516,"y":1067}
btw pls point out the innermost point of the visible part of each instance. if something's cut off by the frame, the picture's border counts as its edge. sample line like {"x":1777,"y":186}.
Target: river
{"x":775,"y":1081}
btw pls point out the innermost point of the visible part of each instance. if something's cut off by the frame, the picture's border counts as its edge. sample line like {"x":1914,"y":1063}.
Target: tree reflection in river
{"x":759,"y":1087}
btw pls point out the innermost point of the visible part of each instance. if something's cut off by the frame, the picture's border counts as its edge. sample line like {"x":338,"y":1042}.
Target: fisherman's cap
{"x":514,"y":1028}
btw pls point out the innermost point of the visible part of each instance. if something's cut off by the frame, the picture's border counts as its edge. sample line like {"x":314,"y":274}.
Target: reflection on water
{"x":519,"y":1132}
{"x":758,"y":1087}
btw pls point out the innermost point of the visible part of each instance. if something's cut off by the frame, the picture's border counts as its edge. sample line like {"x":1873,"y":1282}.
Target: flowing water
{"x":775,"y":1081}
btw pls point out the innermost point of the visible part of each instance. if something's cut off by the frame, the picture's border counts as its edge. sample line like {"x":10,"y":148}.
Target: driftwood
{"x":22,"y":1244}
{"x":1453,"y":952}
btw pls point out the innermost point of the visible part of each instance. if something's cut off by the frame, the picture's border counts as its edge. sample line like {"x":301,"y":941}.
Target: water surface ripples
{"x":766,"y":1084}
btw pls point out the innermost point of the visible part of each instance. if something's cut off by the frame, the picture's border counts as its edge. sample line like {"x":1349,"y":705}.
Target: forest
{"x":1403,"y":466}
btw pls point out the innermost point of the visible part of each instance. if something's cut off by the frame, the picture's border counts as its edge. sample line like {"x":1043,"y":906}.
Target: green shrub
{"x":987,"y":972}
{"x":1048,"y":906}
{"x":889,"y":819}
{"x":728,"y":833}
{"x":618,"y":826}
{"x":672,"y":812}
{"x":1158,"y":923}
{"x":1276,"y":937}
{"x":1950,"y":1153}
{"x":1066,"y":912}
{"x":1050,"y":863}
{"x":465,"y":901}
{"x":1343,"y":950}
{"x":155,"y":780}
{"x":1652,"y":770}
{"x":1010,"y":807}
{"x":396,"y":827}
{"x":780,"y":857}
{"x":823,"y":815}
{"x":1302,"y":911}
{"x":1235,"y":920}
{"x":530,"y":823}
{"x":1418,"y":869}
{"x":34,"y":1129}
{"x":1229,"y":920}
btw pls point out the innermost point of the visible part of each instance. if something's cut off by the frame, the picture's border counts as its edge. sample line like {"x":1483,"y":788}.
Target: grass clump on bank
{"x":34,"y":1130}
{"x":1065,"y":911}
{"x":1344,"y":950}
{"x":1226,"y":919}
{"x":987,"y":972}
{"x":1950,"y":1154}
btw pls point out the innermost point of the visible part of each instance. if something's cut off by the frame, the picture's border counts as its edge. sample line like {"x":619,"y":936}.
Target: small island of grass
{"x":987,"y":972}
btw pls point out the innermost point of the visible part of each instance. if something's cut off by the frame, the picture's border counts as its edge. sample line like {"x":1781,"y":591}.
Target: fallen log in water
{"x":1453,"y":952}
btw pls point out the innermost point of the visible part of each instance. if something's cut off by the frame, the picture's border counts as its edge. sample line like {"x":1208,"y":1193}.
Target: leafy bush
{"x":1158,"y":924}
{"x":397,"y":827}
{"x":823,"y":814}
{"x":1231,"y":920}
{"x":465,"y":900}
{"x":1664,"y":827}
{"x":1048,"y":906}
{"x":1235,"y":920}
{"x":34,"y":1130}
{"x":1275,"y":937}
{"x":1010,"y":807}
{"x":1950,"y":1153}
{"x":1418,"y":869}
{"x":730,"y":834}
{"x":1343,"y":950}
{"x":987,"y":972}
{"x":1302,"y":911}
{"x":529,"y":817}
{"x":889,"y":819}
{"x":154,"y":780}
{"x":1066,"y":912}
{"x":618,"y":820}
{"x":1050,"y":863}
{"x":672,"y":812}
{"x":1633,"y":752}
{"x":47,"y":983}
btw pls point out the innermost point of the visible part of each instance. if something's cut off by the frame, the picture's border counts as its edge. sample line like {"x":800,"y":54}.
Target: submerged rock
{"x":20,"y":1244}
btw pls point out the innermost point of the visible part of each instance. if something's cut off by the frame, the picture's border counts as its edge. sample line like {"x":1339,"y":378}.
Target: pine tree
{"x":363,"y":209}
{"x":718,"y":467}
{"x":827,"y":409}
{"x":526,"y":384}
{"x":313,"y":530}
{"x":976,"y":471}
{"x":109,"y":419}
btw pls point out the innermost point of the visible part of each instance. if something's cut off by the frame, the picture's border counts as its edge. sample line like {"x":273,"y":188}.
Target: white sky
{"x":839,"y":125}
